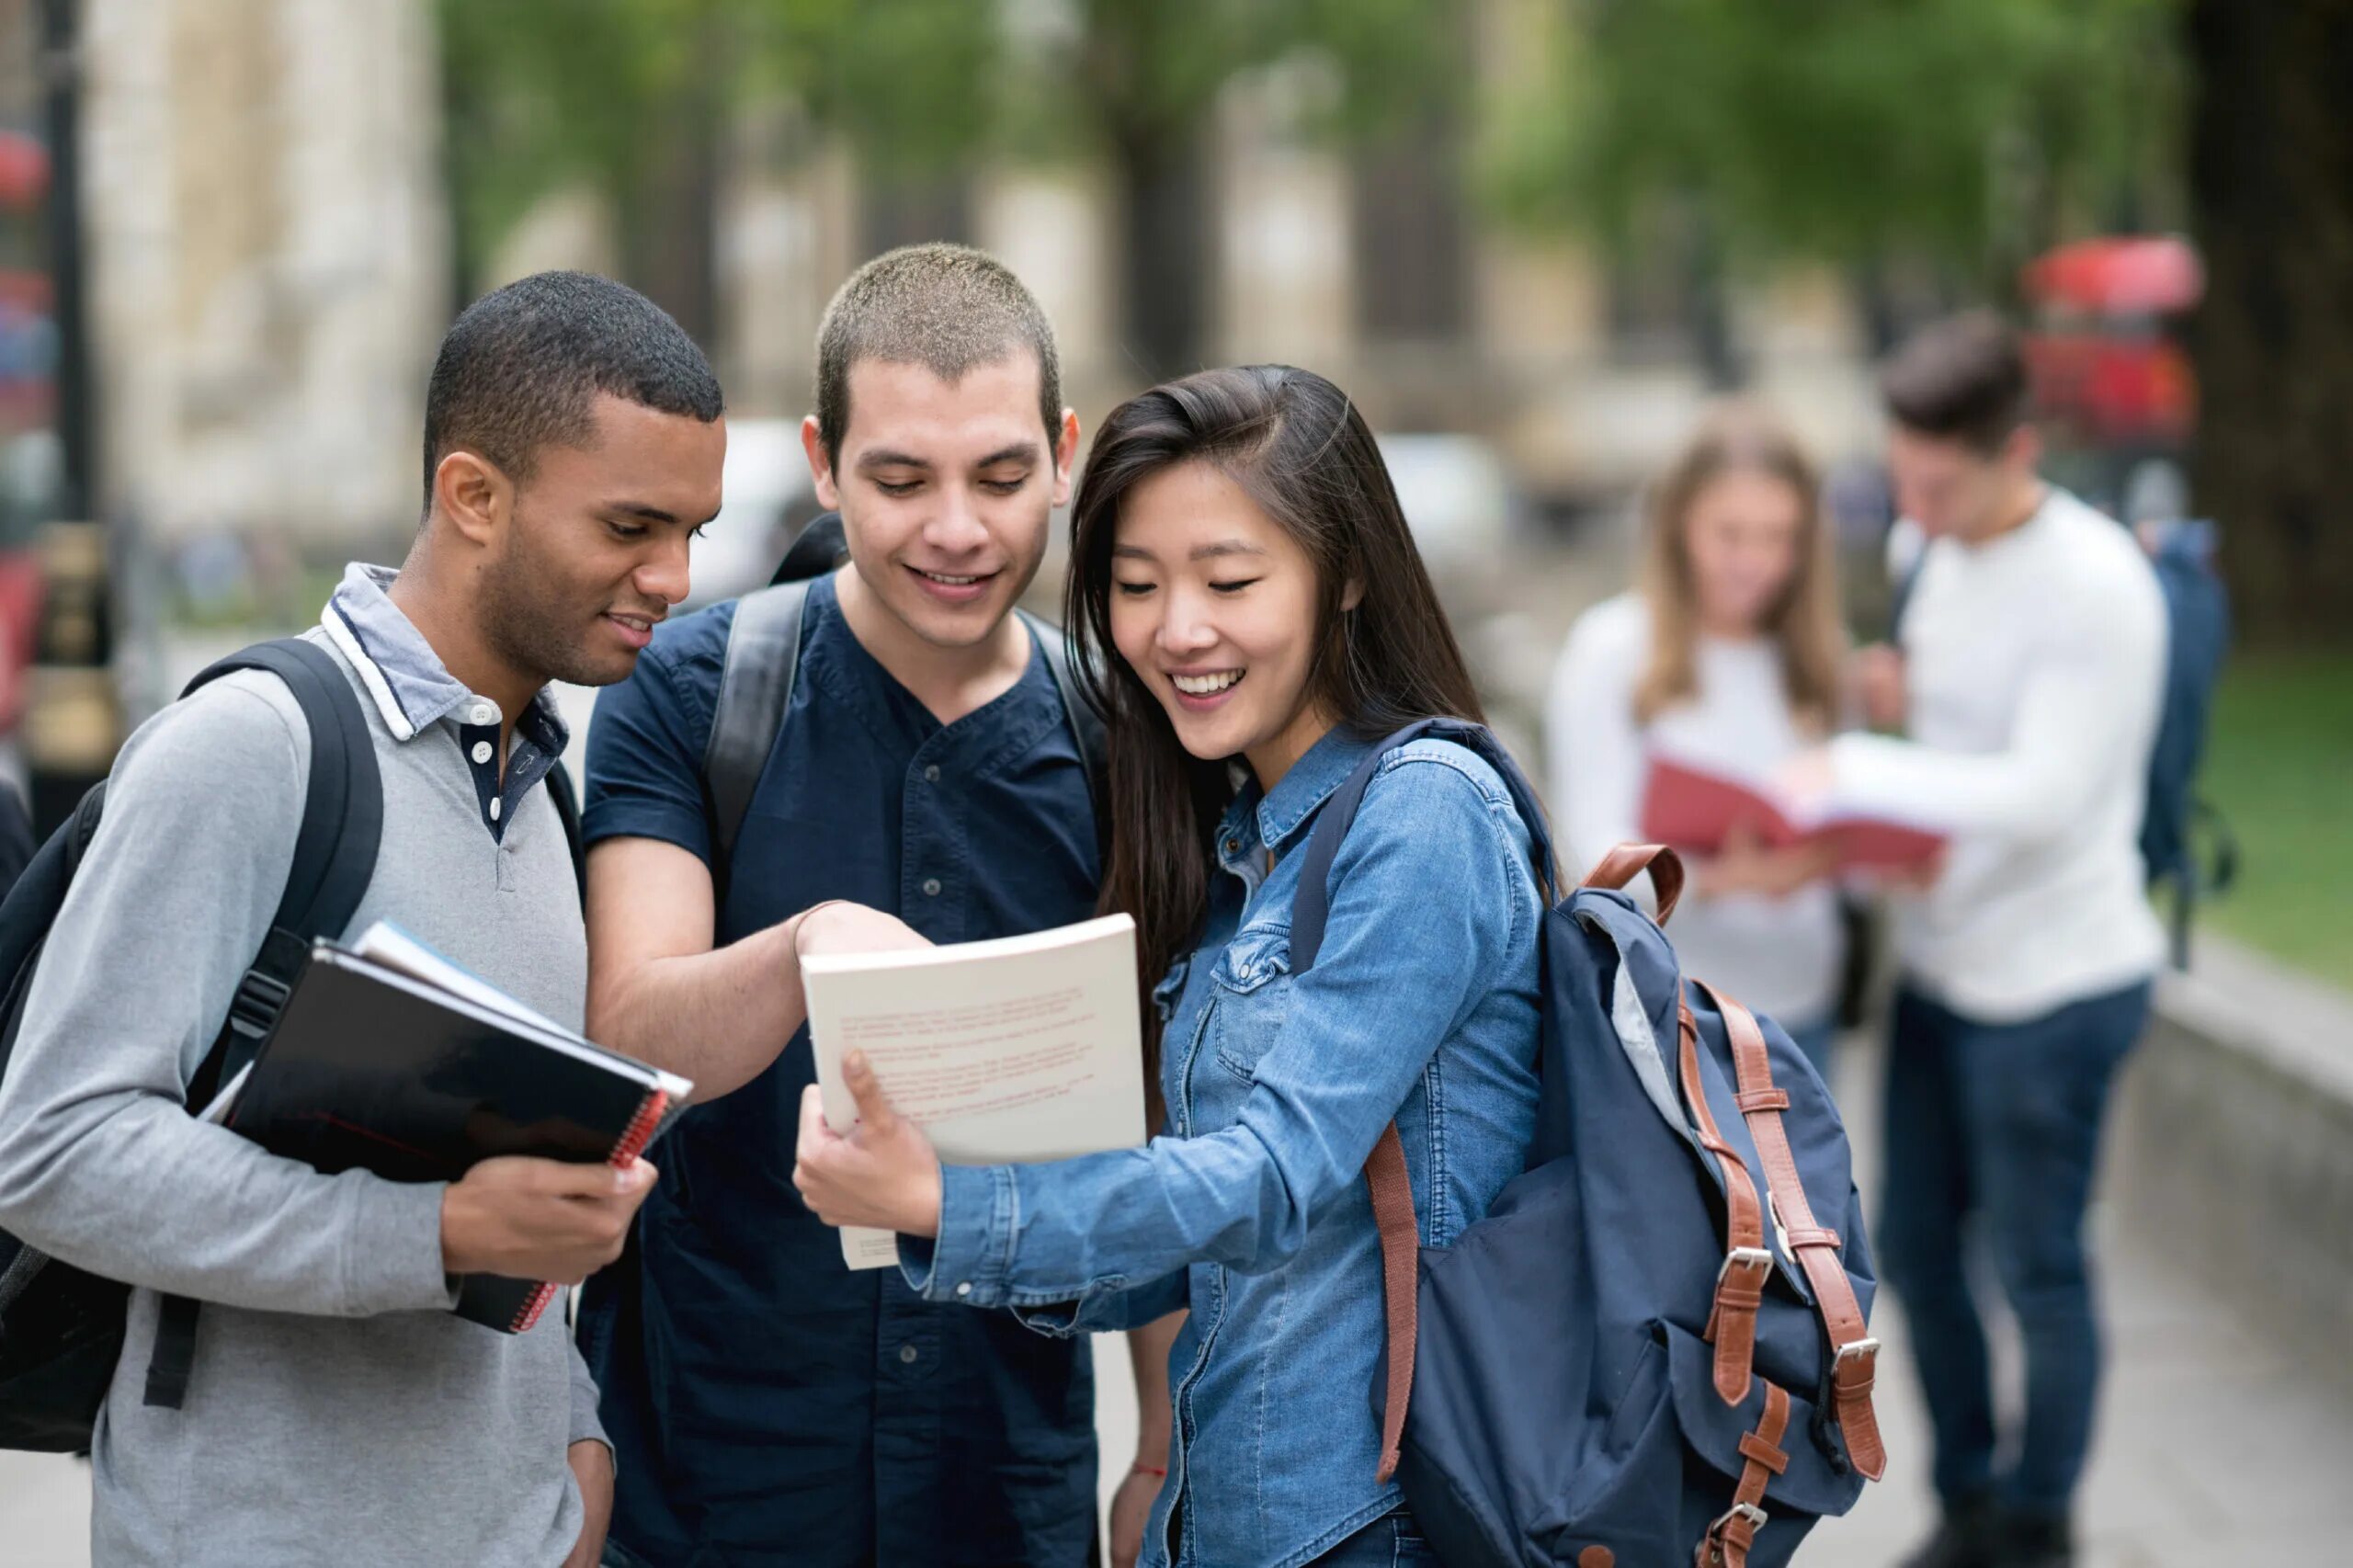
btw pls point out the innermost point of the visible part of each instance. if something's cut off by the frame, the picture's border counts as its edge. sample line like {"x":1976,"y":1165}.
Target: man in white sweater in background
{"x":2028,"y":682}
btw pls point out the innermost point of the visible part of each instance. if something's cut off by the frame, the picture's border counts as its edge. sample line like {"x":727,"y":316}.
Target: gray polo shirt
{"x":337,"y":1412}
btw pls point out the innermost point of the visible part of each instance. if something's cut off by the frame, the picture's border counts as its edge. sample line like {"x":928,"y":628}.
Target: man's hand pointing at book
{"x":884,"y":1174}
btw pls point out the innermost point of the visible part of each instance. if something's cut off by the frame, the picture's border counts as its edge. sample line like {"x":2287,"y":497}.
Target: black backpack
{"x":61,"y":1327}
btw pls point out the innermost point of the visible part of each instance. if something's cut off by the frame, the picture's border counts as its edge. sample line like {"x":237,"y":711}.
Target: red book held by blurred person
{"x":1694,"y":808}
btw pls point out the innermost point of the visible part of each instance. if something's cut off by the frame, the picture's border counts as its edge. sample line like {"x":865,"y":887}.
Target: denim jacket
{"x":1252,"y":1210}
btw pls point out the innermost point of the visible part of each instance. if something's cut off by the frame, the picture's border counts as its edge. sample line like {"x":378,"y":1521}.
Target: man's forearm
{"x":718,"y":1018}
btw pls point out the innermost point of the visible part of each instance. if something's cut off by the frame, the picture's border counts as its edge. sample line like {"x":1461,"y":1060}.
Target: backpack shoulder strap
{"x":1312,"y":908}
{"x":755,"y":688}
{"x":1854,"y":1352}
{"x":343,"y":822}
{"x":1905,"y":586}
{"x":1086,"y":725}
{"x":567,"y":811}
{"x":1385,"y":1172}
{"x":335,"y":858}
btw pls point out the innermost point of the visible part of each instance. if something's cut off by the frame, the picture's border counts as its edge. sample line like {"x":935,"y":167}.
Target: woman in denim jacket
{"x":1254,"y":616}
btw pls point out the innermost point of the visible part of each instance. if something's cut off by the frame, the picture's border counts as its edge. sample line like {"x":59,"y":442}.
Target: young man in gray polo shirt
{"x":338,"y":1410}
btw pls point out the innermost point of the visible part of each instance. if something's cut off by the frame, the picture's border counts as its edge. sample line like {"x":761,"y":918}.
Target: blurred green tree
{"x":633,"y":97}
{"x":1951,"y":137}
{"x":1954,"y":140}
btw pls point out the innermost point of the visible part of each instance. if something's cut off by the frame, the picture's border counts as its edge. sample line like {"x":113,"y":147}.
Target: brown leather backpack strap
{"x":1626,"y":862}
{"x":1855,"y":1353}
{"x":1729,"y":1539}
{"x":1401,"y":1240}
{"x":1740,"y":1283}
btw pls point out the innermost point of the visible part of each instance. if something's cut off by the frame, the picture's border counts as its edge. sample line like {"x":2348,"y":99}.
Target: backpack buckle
{"x":1722,"y":1535}
{"x":1864,"y":1350}
{"x":254,"y":1010}
{"x":1758,"y":1258}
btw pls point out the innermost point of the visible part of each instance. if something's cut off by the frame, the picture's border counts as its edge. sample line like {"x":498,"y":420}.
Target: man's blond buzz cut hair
{"x":947,"y":308}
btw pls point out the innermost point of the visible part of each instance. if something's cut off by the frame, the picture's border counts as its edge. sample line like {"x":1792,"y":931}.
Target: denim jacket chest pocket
{"x":1252,"y":997}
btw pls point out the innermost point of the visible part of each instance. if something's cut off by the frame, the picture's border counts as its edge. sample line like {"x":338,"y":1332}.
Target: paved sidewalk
{"x":2214,"y":1447}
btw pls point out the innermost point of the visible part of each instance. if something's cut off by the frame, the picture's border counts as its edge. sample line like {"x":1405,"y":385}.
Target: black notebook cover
{"x":370,"y":1069}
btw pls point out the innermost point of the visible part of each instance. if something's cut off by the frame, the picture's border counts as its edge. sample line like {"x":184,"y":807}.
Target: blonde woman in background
{"x":1725,"y":656}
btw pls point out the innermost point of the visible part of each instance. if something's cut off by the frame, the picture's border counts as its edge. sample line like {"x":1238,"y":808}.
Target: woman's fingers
{"x":874,"y":1110}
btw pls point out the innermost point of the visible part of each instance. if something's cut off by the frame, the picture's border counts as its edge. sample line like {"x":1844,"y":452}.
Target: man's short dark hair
{"x":521,"y":366}
{"x":1962,"y":379}
{"x":950,"y":309}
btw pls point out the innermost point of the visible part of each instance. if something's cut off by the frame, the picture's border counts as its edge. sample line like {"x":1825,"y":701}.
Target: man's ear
{"x":2023,"y":451}
{"x":821,"y":465}
{"x":473,"y":493}
{"x":1065,"y":455}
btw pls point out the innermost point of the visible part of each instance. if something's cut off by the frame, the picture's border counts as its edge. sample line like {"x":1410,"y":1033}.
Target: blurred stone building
{"x":268,"y":242}
{"x":268,"y":267}
{"x":1376,"y":267}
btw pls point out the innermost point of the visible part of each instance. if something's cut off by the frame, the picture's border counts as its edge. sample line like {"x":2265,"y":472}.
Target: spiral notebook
{"x":389,"y":1058}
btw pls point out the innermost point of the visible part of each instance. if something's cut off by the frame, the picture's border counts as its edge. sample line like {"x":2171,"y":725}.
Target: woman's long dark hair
{"x":1299,"y":447}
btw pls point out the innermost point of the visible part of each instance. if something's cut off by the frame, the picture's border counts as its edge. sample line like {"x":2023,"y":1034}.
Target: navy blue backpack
{"x":2198,"y":625}
{"x":1653,"y":1346}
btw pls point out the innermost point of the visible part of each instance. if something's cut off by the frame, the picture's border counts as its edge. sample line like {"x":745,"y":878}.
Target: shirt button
{"x":964,"y":1287}
{"x":931,"y":774}
{"x":483,"y":713}
{"x":931,"y":887}
{"x":1234,"y":847}
{"x":482,"y":751}
{"x":493,"y":808}
{"x":907,"y":1354}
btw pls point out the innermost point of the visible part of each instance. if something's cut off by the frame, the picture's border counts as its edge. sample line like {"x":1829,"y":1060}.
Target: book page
{"x":1024,"y":1048}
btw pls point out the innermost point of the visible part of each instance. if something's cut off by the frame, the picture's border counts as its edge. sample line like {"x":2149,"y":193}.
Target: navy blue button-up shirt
{"x":769,"y":1405}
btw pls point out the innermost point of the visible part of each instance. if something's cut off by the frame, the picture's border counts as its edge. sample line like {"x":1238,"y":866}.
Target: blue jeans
{"x":2000,"y":1123}
{"x":1390,"y":1542}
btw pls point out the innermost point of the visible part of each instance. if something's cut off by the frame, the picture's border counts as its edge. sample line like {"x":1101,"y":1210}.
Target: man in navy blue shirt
{"x":767,"y":1405}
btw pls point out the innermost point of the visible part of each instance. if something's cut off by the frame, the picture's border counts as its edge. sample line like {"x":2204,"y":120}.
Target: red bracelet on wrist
{"x":1147,"y":1470}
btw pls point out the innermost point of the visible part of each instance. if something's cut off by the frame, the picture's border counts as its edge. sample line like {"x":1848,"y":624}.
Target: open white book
{"x":1025,"y":1048}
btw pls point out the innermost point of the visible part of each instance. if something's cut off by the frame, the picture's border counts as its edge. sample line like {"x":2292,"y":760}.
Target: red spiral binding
{"x":633,"y":1144}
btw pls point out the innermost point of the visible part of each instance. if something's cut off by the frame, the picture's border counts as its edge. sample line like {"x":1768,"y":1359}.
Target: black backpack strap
{"x":335,"y":858}
{"x":1086,"y":725}
{"x":755,"y":688}
{"x":1313,"y":907}
{"x":335,"y":849}
{"x":1905,"y":587}
{"x":567,"y":811}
